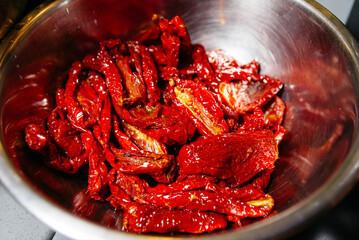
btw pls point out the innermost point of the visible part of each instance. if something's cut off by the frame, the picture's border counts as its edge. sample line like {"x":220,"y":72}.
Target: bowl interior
{"x":291,"y":40}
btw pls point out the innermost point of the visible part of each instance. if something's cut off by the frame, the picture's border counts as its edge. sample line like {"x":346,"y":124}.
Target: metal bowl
{"x":299,"y":42}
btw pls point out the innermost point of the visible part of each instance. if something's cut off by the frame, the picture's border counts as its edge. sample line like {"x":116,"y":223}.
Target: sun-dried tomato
{"x":97,"y":179}
{"x":245,"y":95}
{"x":137,"y":162}
{"x":56,"y":146}
{"x":233,"y":157}
{"x":179,"y":139}
{"x":148,"y":218}
{"x":143,"y":141}
{"x":200,"y":106}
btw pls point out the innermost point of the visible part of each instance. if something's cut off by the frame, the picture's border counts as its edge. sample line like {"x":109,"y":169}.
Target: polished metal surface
{"x":10,"y":11}
{"x":298,"y":42}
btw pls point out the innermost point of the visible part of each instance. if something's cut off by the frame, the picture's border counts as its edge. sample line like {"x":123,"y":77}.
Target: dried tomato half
{"x":245,"y":95}
{"x":233,"y":157}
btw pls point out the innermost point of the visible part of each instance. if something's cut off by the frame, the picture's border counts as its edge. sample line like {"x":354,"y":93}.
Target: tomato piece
{"x":65,"y":136}
{"x":97,"y":178}
{"x":138,"y":162}
{"x":175,"y":38}
{"x":274,"y":113}
{"x":227,"y":68}
{"x":57,"y":150}
{"x":201,"y":107}
{"x":143,"y":141}
{"x":233,"y":157}
{"x":147,"y":218}
{"x":252,"y":66}
{"x":253,"y":120}
{"x":176,"y":127}
{"x":207,"y":201}
{"x":245,"y":95}
{"x":150,"y":77}
{"x":35,"y":136}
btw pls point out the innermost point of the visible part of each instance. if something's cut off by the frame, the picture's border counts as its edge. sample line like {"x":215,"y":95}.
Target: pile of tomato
{"x":177,"y":138}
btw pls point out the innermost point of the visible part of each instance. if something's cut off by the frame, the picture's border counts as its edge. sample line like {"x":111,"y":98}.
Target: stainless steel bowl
{"x":298,"y":42}
{"x":9,"y":14}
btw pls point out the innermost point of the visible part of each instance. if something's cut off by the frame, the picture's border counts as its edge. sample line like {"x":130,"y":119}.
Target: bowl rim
{"x":58,"y":219}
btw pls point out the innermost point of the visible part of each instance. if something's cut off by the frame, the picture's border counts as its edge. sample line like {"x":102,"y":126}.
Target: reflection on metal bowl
{"x":298,"y":42}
